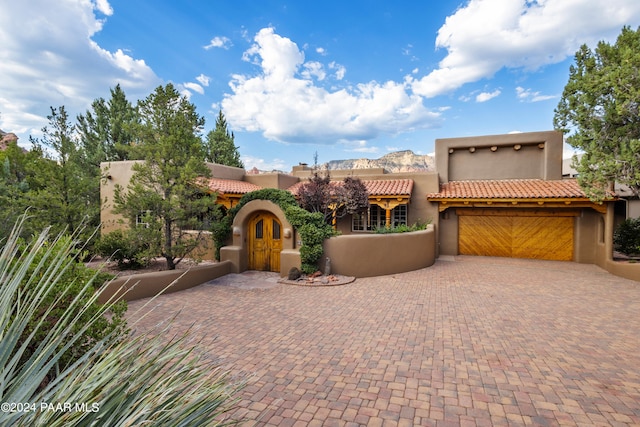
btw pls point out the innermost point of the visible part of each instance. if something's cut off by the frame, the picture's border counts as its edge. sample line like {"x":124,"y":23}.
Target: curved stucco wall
{"x":367,"y":255}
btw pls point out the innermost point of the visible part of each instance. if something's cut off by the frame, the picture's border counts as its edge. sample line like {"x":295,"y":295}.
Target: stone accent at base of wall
{"x":145,"y":285}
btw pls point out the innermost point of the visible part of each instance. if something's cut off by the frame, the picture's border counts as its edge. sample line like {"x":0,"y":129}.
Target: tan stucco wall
{"x":538,"y":155}
{"x":147,"y":285}
{"x":272,"y":180}
{"x":366,"y":255}
{"x":226,"y":172}
{"x":604,"y":250}
{"x":113,"y":173}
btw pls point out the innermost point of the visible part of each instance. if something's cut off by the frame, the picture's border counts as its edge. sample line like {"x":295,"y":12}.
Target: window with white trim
{"x":375,"y":217}
{"x":141,"y":219}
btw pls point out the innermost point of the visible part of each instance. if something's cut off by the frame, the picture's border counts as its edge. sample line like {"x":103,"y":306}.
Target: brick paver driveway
{"x":469,"y":341}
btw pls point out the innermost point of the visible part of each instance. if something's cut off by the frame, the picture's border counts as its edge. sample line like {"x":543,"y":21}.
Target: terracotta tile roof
{"x":230,"y":186}
{"x":377,"y":187}
{"x":389,"y":187}
{"x":510,"y":189}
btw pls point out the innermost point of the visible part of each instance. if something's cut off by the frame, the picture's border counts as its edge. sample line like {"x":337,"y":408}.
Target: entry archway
{"x":264,"y":241}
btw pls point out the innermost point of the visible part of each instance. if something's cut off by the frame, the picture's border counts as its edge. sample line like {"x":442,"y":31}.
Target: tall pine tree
{"x":220,"y":145}
{"x":163,"y":192}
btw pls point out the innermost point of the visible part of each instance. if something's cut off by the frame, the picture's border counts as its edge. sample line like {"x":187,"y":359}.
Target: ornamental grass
{"x":121,"y":379}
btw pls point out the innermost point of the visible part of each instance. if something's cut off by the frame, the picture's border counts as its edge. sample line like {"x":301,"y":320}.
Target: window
{"x":142,"y":219}
{"x":259,"y":229}
{"x":376,"y":217}
{"x":276,"y":230}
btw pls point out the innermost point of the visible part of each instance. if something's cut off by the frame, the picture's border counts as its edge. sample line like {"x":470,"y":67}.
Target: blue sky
{"x":344,"y":79}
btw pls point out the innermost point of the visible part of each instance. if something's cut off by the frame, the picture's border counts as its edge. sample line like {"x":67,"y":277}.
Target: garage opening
{"x":536,"y":234}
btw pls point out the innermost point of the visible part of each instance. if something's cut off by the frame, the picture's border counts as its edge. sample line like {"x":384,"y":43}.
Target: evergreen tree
{"x":14,"y":187}
{"x":61,"y":192}
{"x":600,"y":110}
{"x":220,"y":145}
{"x":163,"y":192}
{"x":106,"y":132}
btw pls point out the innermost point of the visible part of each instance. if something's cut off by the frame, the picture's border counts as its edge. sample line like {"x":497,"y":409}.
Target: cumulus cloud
{"x":485,"y":96}
{"x":285,"y":104}
{"x":485,"y":36}
{"x":313,"y":69}
{"x":527,"y":95}
{"x":50,"y":45}
{"x":219,"y":42}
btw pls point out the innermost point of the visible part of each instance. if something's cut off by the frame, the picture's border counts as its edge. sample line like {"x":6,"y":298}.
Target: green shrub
{"x":70,"y":285}
{"x":146,"y":379}
{"x":403,"y":228}
{"x":313,"y":230}
{"x":128,"y":249}
{"x":626,"y":237}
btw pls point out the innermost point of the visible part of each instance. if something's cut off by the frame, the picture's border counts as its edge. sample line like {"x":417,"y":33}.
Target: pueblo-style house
{"x":499,"y":195}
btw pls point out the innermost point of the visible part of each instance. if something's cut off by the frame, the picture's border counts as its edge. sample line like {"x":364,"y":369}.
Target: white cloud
{"x":527,"y":95}
{"x":485,"y":36}
{"x":49,"y":44}
{"x":104,"y":7}
{"x":219,"y":42}
{"x":340,"y":70}
{"x":359,"y":147}
{"x":195,"y":87}
{"x":261,"y":164}
{"x":284,"y":106}
{"x":485,"y":96}
{"x":203,"y":80}
{"x":313,"y":69}
{"x":322,"y":51}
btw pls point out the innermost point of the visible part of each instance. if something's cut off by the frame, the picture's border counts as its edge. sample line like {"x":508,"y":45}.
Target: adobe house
{"x":498,"y":195}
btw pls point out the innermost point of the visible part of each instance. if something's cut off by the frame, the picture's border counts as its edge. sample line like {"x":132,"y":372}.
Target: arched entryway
{"x":264,"y":241}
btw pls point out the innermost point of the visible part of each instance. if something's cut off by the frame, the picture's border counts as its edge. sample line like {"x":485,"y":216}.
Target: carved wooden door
{"x":265,"y":242}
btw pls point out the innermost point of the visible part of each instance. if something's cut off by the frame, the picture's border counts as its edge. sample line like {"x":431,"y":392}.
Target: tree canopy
{"x":333,"y":199}
{"x":599,"y":110}
{"x":220,"y":145}
{"x":162,"y":193}
{"x":61,"y":192}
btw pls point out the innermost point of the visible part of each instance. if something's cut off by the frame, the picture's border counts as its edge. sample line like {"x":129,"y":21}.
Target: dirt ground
{"x":157,"y":264}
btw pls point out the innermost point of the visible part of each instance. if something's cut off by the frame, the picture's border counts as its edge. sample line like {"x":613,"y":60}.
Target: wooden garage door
{"x":538,"y":237}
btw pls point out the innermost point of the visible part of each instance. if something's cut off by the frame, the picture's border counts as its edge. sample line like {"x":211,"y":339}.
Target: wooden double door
{"x":264,"y":242}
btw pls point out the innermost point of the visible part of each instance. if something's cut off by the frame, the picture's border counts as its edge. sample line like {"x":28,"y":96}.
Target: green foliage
{"x":221,"y":229}
{"x":311,"y":227}
{"x":626,"y":237}
{"x":76,"y":283}
{"x":220,"y":145}
{"x":163,"y":187}
{"x":146,"y":379}
{"x":403,"y":228}
{"x":599,"y":110}
{"x":14,"y":186}
{"x":129,"y":249}
{"x":106,"y":131}
{"x":63,"y":192}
